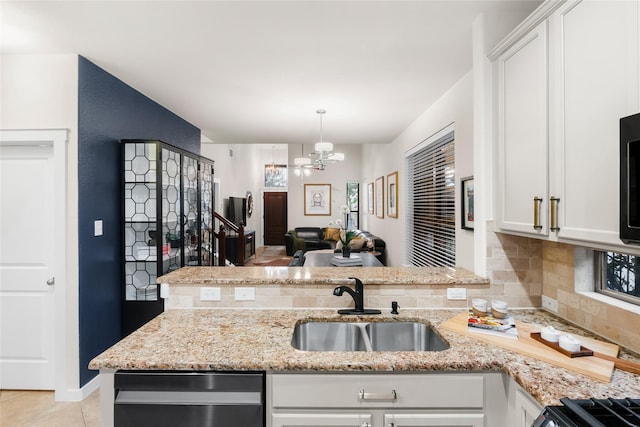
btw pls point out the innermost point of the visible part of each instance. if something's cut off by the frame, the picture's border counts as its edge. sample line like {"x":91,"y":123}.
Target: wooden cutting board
{"x":594,"y":367}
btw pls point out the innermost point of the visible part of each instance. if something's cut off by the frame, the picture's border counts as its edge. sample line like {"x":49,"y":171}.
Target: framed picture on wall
{"x":380,"y":197}
{"x":370,"y":196}
{"x":392,"y":195}
{"x":466,"y":208}
{"x":317,"y":199}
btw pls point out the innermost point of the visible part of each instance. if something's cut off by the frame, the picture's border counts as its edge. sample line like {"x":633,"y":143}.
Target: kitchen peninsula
{"x":242,"y":339}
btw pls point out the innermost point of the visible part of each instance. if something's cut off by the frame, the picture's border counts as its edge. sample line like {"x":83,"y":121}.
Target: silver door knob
{"x":51,"y":281}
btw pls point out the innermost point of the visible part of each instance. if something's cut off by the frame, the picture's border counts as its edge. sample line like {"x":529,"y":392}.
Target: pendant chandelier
{"x":322,"y":155}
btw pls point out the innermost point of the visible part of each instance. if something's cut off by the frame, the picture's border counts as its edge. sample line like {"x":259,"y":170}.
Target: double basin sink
{"x":366,"y":336}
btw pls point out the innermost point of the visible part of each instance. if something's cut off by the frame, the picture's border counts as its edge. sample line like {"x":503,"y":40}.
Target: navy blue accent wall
{"x":109,"y":110}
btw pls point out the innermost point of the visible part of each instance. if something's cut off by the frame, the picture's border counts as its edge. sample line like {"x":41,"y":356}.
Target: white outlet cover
{"x":245,"y":294}
{"x":550,"y":304}
{"x":456,"y":293}
{"x":209,"y":294}
{"x":97,"y":227}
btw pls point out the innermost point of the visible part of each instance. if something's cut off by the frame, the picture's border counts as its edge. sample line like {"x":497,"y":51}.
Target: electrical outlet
{"x":97,"y":227}
{"x":245,"y":294}
{"x":457,"y":293}
{"x":549,"y":303}
{"x":209,"y":294}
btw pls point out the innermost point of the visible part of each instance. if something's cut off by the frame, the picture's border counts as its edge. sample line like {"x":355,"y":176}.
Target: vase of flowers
{"x":345,"y":235}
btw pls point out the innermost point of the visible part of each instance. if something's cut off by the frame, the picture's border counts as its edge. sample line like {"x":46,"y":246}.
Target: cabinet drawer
{"x":377,"y":391}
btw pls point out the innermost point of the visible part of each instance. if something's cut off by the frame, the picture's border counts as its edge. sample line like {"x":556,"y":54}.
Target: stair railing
{"x":221,"y":237}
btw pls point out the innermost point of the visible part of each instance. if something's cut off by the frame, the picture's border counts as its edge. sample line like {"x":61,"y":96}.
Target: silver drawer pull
{"x":378,"y":396}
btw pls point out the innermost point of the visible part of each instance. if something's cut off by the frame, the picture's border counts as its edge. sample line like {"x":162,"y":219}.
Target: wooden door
{"x":275,"y":218}
{"x":27,"y":254}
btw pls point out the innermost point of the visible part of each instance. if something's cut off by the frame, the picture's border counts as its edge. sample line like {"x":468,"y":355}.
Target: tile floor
{"x":26,"y":408}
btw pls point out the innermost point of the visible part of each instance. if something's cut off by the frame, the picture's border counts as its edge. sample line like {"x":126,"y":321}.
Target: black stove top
{"x":591,"y":413}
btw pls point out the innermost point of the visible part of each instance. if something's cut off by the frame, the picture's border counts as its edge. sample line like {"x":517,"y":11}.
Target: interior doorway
{"x":33,"y":253}
{"x":275,"y":217}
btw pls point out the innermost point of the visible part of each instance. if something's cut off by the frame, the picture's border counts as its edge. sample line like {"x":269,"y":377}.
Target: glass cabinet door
{"x":171,"y":211}
{"x":140,"y":221}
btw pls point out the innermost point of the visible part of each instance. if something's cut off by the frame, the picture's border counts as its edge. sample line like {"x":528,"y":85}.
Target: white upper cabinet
{"x":522,"y":134}
{"x":558,"y":105}
{"x":594,"y":74}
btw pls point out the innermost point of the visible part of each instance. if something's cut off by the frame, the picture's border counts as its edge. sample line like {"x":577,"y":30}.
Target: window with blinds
{"x":431,"y":240}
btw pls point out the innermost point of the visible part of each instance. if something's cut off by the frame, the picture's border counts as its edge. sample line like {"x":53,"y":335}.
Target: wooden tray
{"x":591,"y":366}
{"x":584,"y":351}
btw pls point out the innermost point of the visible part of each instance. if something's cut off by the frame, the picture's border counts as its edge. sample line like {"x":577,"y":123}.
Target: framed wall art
{"x":392,"y":195}
{"x":466,"y":208}
{"x":370,"y":196}
{"x":380,"y":197}
{"x":317,"y":199}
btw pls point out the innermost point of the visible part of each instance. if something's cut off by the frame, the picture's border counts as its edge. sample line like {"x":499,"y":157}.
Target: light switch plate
{"x":97,"y":227}
{"x":245,"y":294}
{"x":209,"y":294}
{"x":456,"y":293}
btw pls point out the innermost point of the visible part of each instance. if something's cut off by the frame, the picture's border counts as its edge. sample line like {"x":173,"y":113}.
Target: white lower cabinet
{"x":433,"y":420}
{"x":385,"y":400}
{"x":526,"y":408}
{"x":321,"y":419}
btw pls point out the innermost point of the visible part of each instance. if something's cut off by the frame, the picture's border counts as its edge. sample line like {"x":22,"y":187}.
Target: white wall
{"x":41,"y":92}
{"x":240,"y":168}
{"x":337,"y":174}
{"x":455,"y":106}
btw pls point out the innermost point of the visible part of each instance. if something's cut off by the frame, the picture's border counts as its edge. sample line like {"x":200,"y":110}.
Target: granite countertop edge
{"x":278,"y":276}
{"x":260,"y":339}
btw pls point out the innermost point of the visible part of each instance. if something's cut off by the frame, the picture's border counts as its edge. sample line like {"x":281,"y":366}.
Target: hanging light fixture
{"x":301,"y":164}
{"x":322,"y":155}
{"x":271,"y":169}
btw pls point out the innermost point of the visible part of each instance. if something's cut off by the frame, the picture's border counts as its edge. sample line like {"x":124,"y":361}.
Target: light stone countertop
{"x":255,"y":339}
{"x":204,"y":276}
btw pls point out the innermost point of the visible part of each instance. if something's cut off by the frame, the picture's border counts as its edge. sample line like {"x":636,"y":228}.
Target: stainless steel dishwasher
{"x":175,"y":398}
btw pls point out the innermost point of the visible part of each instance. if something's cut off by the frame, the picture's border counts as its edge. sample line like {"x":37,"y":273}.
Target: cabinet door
{"x":527,"y":409}
{"x":433,"y":420}
{"x":321,"y":420}
{"x":522,"y":130}
{"x":595,"y":81}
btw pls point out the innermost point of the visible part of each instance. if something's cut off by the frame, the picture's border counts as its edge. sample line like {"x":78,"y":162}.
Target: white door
{"x":26,"y":267}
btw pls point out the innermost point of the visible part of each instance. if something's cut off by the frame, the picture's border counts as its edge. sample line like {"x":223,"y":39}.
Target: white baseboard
{"x":78,"y":394}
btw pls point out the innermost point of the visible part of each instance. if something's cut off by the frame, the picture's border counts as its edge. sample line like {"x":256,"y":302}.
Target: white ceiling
{"x":257,"y":71}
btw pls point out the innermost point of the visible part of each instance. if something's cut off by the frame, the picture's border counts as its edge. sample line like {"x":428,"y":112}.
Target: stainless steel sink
{"x":366,"y":336}
{"x":328,"y":336}
{"x":404,"y":336}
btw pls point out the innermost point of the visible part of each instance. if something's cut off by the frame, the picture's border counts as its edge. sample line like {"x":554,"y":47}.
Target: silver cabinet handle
{"x":378,"y":396}
{"x":51,"y":281}
{"x":537,"y":201}
{"x":391,"y":425}
{"x":365,"y":425}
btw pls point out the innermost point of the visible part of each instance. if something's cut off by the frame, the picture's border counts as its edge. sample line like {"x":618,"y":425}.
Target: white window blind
{"x":430,"y":212}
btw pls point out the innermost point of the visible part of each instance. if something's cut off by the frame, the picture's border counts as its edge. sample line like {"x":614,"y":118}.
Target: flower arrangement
{"x":345,"y":235}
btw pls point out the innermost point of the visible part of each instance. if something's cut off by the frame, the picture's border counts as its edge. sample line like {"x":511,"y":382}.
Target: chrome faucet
{"x":358,"y":298}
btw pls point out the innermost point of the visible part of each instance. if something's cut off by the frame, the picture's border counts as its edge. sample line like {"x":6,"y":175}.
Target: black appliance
{"x":189,"y":399}
{"x":630,"y":179}
{"x":591,"y":413}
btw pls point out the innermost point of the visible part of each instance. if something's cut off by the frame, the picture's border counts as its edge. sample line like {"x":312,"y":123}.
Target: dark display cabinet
{"x":168,"y":221}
